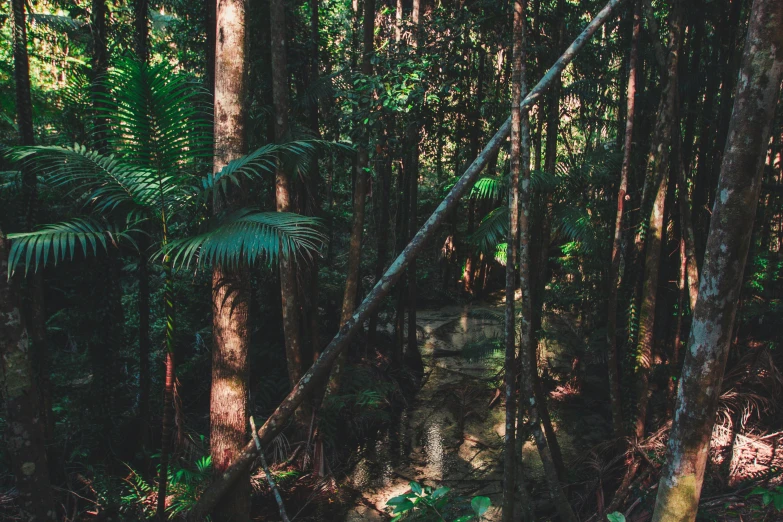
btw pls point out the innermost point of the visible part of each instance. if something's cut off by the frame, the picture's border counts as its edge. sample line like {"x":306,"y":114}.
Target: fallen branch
{"x":269,"y":477}
{"x":319,"y":370}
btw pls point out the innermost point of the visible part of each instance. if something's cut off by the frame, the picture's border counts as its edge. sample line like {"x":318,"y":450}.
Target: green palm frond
{"x":487,"y":188}
{"x":492,"y":231}
{"x":542,"y":181}
{"x":263,"y":162}
{"x":62,"y":240}
{"x":248,"y":236}
{"x":106,"y":181}
{"x":155,"y":116}
{"x":575,"y":225}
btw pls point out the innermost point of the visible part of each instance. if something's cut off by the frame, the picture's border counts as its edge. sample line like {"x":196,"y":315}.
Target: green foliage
{"x":615,"y":517}
{"x":424,"y":503}
{"x":769,"y":497}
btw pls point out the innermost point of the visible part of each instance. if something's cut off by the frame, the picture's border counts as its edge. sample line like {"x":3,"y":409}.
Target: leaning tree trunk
{"x":24,"y":433}
{"x":728,"y":243}
{"x":228,"y":409}
{"x":283,"y":191}
{"x":309,"y":382}
{"x":658,"y":167}
{"x":614,"y":267}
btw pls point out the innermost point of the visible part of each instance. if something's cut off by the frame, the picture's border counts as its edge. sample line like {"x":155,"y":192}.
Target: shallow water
{"x":447,"y":435}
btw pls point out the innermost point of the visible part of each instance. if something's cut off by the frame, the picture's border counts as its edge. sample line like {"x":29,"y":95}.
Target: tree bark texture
{"x":509,"y":441}
{"x":724,"y":263}
{"x":228,"y":410}
{"x":284,"y":191}
{"x":278,"y":419}
{"x":658,"y":163}
{"x":24,"y":433}
{"x":614,"y":268}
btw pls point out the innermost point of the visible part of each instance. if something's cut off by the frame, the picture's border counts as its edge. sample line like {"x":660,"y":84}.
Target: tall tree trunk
{"x":382,"y":195}
{"x":24,"y":433}
{"x":614,"y":267}
{"x":275,"y":422}
{"x":284,"y":191}
{"x":658,"y":170}
{"x":509,"y":440}
{"x":145,"y":346}
{"x":529,"y":371}
{"x":541,"y":265}
{"x":228,"y":411}
{"x":412,"y":355}
{"x":724,"y":263}
{"x":141,"y":28}
{"x":36,"y":310}
{"x":167,"y":423}
{"x":353,"y":279}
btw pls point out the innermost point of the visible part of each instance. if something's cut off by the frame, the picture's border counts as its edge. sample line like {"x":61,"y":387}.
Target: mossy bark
{"x":724,"y":261}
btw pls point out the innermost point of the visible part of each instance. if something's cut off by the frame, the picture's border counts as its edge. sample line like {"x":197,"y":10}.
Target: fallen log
{"x":320,"y":369}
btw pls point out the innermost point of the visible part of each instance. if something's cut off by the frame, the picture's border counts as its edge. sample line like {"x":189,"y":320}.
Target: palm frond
{"x":155,"y":117}
{"x":61,"y":23}
{"x":107,"y":182}
{"x":489,"y":188}
{"x":248,"y":236}
{"x":263,"y":162}
{"x":575,"y":225}
{"x":492,"y":231}
{"x":62,"y":240}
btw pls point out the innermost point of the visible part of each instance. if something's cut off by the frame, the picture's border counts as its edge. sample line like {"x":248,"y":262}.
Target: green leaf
{"x":480,"y":505}
{"x":440,"y":492}
{"x":464,"y":518}
{"x":615,"y":517}
{"x":402,"y":507}
{"x":416,"y":488}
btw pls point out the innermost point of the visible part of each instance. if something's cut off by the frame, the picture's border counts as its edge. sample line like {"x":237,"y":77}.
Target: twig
{"x":268,"y":474}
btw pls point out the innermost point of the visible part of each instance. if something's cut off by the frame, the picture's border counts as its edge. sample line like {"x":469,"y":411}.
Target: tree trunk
{"x":614,"y":268}
{"x":353,"y":278}
{"x":284,"y":192}
{"x":658,"y":170}
{"x":412,"y":355}
{"x":509,"y":440}
{"x":724,"y":262}
{"x":277,"y":421}
{"x":144,"y":348}
{"x":168,"y":383}
{"x":24,"y":433}
{"x":141,"y":29}
{"x":228,"y":410}
{"x":382,"y":195}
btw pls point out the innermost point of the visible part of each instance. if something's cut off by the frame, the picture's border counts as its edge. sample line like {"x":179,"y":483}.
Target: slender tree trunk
{"x":353,"y":278}
{"x":403,"y":188}
{"x":24,"y":434}
{"x":144,"y":348}
{"x":141,"y":29}
{"x":277,"y":421}
{"x":509,"y":440}
{"x":168,"y":383}
{"x":283,"y":192}
{"x":658,"y":167}
{"x":228,"y":411}
{"x":674,"y":361}
{"x":382,"y":196}
{"x":36,"y":310}
{"x":724,"y":263}
{"x":412,"y":355}
{"x":614,"y":268}
{"x":686,"y":220}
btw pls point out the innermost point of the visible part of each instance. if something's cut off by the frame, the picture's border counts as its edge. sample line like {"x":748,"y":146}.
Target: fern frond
{"x":62,"y":240}
{"x":492,"y":231}
{"x":248,"y":236}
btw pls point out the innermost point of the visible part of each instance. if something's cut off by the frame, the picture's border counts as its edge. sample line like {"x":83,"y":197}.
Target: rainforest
{"x":391,"y":260}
